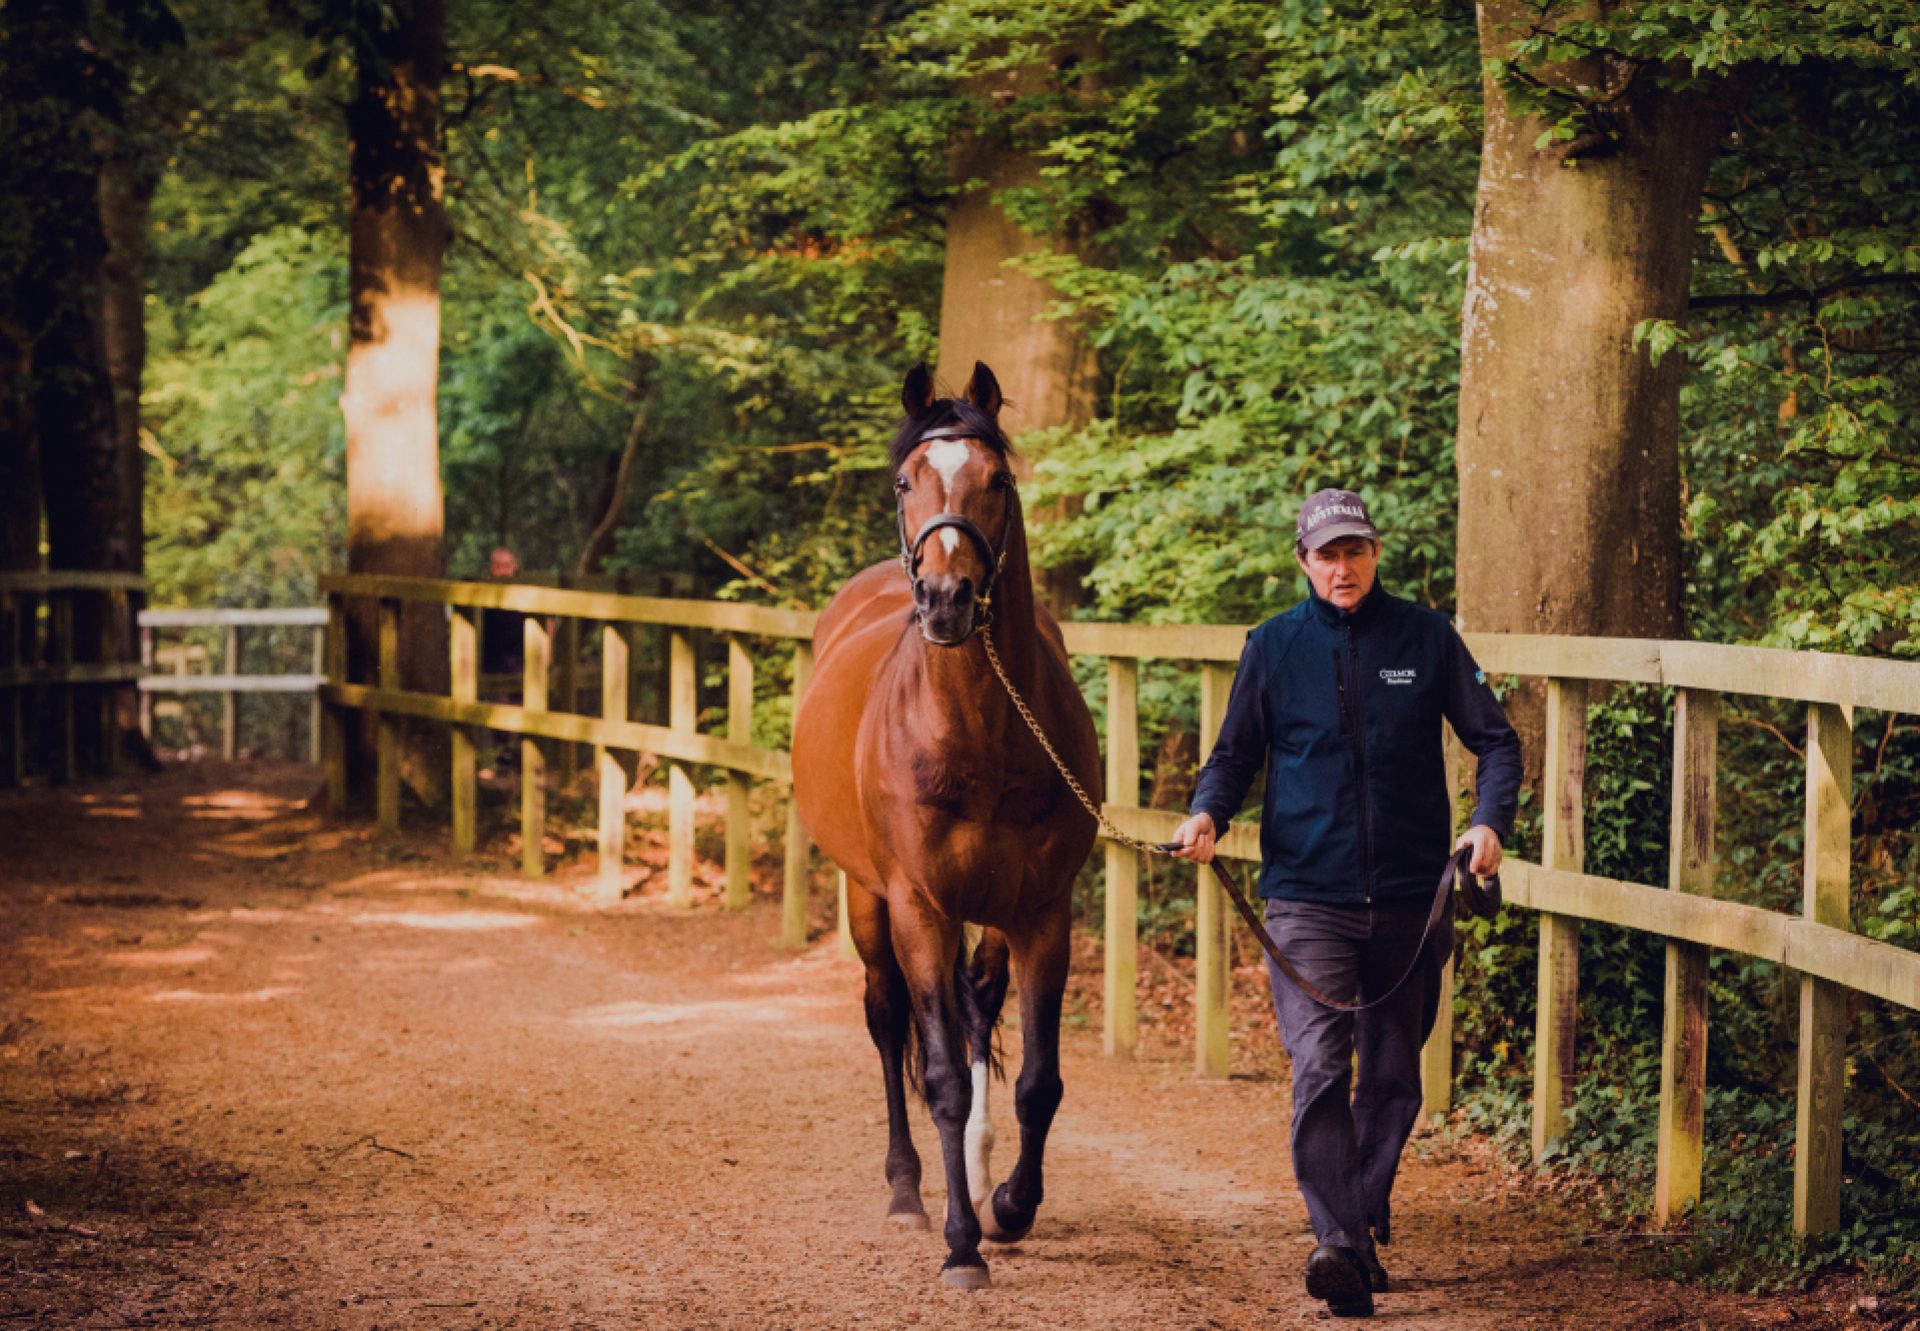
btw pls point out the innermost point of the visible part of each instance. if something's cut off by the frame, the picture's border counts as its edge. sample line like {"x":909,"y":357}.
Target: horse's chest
{"x":970,"y":791}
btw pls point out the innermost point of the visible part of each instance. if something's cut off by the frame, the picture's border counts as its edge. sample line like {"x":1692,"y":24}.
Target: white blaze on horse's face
{"x":947,"y":457}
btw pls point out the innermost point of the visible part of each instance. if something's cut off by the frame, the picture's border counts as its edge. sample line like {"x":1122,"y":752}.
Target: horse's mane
{"x":947,"y":411}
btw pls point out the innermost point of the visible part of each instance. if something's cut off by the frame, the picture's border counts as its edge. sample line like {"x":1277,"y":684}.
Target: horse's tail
{"x":980,"y":983}
{"x":980,"y":986}
{"x":914,"y":1058}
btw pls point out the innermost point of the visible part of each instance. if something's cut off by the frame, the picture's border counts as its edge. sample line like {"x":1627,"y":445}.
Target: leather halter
{"x":993,"y":556}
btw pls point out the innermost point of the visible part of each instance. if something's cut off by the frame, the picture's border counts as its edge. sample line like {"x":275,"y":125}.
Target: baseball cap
{"x":1330,"y":514}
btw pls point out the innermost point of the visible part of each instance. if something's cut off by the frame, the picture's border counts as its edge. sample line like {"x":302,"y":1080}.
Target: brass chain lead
{"x":1079,"y":791}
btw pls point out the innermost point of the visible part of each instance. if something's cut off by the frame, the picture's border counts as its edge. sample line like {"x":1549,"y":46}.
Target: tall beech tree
{"x":398,"y":242}
{"x":1568,"y":450}
{"x":990,"y":306}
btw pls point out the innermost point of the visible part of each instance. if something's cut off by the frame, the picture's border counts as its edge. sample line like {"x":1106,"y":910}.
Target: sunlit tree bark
{"x":395,"y":513}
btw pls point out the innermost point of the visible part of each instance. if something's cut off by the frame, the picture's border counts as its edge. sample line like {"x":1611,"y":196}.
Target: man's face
{"x":1341,"y":571}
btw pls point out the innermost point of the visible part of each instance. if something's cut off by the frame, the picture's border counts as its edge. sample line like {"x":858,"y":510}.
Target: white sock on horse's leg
{"x":979,"y":1139}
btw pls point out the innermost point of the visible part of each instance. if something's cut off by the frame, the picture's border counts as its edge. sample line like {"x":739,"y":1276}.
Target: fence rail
{"x":42,"y":653}
{"x":1817,"y":944}
{"x":230,"y":683}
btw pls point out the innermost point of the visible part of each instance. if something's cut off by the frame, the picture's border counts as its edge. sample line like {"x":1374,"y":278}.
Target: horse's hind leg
{"x":980,"y":984}
{"x":890,"y":1024}
{"x":1040,"y":968}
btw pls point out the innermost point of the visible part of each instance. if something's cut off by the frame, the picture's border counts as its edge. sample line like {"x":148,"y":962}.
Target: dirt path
{"x":260,"y":1071}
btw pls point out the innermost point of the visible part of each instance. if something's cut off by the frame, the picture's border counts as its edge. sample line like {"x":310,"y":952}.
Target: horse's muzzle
{"x":946,"y":605}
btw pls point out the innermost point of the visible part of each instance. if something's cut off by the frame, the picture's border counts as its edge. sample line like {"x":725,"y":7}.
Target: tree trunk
{"x":1568,"y":446}
{"x":19,"y":458}
{"x":19,"y":535}
{"x":128,"y":180}
{"x":991,"y":311}
{"x":71,"y":403}
{"x":398,"y":238}
{"x":619,"y":486}
{"x":1568,"y":450}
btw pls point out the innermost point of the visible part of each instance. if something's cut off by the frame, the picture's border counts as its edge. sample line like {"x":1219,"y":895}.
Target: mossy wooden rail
{"x":1816,"y":944}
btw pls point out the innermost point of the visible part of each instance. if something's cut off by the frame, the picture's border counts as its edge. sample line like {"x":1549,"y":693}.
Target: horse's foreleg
{"x":1040,"y":970}
{"x":889,"y":1023}
{"x":927,"y":947}
{"x":980,"y":983}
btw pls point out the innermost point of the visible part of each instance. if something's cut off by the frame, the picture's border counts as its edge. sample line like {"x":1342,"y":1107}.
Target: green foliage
{"x":242,"y":391}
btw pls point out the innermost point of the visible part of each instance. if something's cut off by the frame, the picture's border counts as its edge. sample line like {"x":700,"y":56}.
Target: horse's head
{"x":957,"y":503}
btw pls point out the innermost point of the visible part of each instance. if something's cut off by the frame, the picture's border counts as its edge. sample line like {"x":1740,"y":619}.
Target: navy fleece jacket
{"x":1343,"y":708}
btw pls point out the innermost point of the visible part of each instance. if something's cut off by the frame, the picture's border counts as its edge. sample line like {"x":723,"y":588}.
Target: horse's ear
{"x":916,"y":394}
{"x":983,"y":390}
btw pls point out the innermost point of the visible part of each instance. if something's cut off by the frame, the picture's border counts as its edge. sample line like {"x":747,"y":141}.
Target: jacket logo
{"x":1397,"y":676}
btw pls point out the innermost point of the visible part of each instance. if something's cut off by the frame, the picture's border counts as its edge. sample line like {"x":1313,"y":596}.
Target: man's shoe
{"x":1339,"y":1277}
{"x":1376,"y":1273}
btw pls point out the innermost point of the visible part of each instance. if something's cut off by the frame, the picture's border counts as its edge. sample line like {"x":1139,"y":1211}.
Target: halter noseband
{"x":994,"y":557}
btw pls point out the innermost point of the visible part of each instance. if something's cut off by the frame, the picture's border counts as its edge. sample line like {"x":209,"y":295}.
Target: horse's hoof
{"x":991,"y":1228}
{"x":908,"y":1221}
{"x":966,"y":1277}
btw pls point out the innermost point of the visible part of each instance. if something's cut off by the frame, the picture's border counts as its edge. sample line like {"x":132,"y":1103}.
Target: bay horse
{"x":917,"y":776}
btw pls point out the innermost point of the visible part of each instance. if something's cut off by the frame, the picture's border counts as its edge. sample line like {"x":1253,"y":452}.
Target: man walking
{"x":1340,"y":701}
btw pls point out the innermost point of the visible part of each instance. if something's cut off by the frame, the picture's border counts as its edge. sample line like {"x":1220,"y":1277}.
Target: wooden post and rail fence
{"x":1816,"y":944}
{"x":40,"y":659}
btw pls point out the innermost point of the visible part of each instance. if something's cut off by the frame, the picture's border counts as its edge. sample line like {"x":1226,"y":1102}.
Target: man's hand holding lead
{"x":1195,"y":838}
{"x":1486,"y":849}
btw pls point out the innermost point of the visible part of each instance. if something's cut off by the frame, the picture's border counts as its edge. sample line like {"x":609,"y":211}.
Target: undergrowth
{"x":1740,"y":1236}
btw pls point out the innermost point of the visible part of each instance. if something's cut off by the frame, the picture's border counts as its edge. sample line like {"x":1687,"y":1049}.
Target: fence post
{"x":1823,"y":1004}
{"x":682,"y":704}
{"x":463,"y":651}
{"x":533,"y":759}
{"x":333,"y":719}
{"x":387,"y":732}
{"x":230,"y":700}
{"x":566,"y":687}
{"x":146,"y":699}
{"x":1213,"y":944}
{"x":60,"y":602}
{"x":1121,"y":935}
{"x":119,"y":611}
{"x":16,"y":623}
{"x":739,"y":784}
{"x":847,"y":948}
{"x":1436,"y":1055}
{"x":316,"y":748}
{"x":1683,"y":1035}
{"x":793,"y":881}
{"x":1564,"y":847}
{"x":613,"y":775}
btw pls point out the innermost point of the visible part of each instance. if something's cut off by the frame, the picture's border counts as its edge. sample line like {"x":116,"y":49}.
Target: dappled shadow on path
{"x":259,"y":1069}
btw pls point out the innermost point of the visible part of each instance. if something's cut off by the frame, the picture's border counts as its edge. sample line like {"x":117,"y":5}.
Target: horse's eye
{"x":900,"y":485}
{"x":1003,"y":480}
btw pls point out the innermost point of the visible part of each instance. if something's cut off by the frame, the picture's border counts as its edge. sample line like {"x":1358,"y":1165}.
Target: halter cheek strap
{"x":994,"y":557}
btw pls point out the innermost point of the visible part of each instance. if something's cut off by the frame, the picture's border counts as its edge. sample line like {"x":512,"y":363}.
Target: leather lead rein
{"x":1485,"y":903}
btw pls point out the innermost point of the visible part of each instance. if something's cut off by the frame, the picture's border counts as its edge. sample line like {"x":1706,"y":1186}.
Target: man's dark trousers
{"x":1345,"y":1152}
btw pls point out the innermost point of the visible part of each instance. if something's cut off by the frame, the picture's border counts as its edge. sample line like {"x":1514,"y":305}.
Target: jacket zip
{"x":1350,"y":713}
